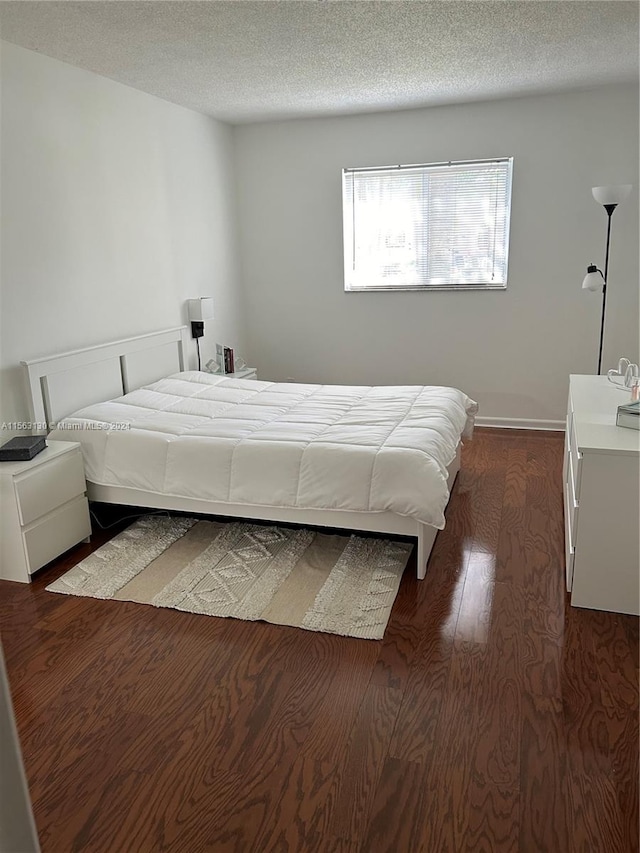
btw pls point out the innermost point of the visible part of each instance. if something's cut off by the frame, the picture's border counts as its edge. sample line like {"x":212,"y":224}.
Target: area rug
{"x":339,"y":584}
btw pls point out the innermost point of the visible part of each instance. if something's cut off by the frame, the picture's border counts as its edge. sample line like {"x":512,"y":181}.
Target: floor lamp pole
{"x":609,"y":198}
{"x":609,"y":208}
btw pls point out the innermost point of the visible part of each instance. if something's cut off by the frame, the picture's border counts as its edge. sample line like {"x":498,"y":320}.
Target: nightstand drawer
{"x":48,"y":486}
{"x":56,"y":533}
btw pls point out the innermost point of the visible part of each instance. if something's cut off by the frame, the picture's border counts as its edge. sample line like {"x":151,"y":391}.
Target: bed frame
{"x":62,"y":384}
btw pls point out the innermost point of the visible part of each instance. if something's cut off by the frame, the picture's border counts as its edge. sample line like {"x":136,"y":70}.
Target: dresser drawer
{"x":572,"y":503}
{"x":569,"y":532}
{"x":567,"y":451}
{"x":56,"y":533}
{"x":575,"y":458}
{"x":50,"y":485}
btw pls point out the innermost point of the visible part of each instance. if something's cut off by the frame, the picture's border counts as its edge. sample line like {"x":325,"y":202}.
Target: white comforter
{"x":197,"y":435}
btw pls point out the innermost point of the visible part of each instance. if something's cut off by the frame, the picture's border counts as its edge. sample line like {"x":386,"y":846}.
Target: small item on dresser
{"x":629,"y":415}
{"x":228,"y":360}
{"x":618,"y":371}
{"x":22,"y":448}
{"x":625,"y":376}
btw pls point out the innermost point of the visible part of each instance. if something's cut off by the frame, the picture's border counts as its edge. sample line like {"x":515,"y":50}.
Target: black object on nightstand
{"x":22,"y":448}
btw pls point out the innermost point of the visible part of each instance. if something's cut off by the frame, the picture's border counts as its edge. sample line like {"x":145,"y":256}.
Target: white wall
{"x":116,"y":208}
{"x":512,"y":351}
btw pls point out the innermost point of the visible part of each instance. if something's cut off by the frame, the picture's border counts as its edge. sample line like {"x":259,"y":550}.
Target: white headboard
{"x":61,"y":384}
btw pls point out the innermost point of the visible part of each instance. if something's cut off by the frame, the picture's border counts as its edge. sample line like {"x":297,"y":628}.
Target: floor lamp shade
{"x":611,"y":195}
{"x":593,"y":280}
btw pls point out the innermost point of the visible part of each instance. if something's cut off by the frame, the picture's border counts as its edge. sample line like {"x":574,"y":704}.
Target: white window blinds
{"x":430,"y":226}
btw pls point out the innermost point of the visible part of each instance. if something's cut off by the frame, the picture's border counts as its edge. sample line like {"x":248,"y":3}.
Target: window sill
{"x":428,"y":288}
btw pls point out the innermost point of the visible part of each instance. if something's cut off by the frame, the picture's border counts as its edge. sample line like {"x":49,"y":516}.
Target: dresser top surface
{"x":595,"y":401}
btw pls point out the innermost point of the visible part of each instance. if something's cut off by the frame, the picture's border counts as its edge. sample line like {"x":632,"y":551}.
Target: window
{"x":442,"y":225}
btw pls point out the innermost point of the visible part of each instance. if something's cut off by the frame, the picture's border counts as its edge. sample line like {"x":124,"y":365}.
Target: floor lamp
{"x":609,"y":198}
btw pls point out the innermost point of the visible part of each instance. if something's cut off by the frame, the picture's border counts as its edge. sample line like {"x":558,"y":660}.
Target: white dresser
{"x":44,"y":509}
{"x":601,"y":499}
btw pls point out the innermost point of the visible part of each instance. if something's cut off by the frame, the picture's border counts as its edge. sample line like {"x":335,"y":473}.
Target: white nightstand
{"x":44,"y":509}
{"x":245,"y":373}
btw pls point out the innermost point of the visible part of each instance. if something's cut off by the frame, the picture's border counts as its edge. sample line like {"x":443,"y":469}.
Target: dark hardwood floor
{"x":492,"y":717}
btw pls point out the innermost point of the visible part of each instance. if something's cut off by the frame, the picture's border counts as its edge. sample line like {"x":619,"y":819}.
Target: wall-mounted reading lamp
{"x":199,"y":310}
{"x":609,"y":198}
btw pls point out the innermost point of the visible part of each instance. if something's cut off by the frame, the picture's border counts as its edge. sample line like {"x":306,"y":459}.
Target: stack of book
{"x":225,"y":358}
{"x":629,"y":415}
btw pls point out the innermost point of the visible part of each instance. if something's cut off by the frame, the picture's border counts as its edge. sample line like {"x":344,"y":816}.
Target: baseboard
{"x":519,"y":423}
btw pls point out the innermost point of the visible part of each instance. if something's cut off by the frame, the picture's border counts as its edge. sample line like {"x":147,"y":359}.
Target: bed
{"x":155,"y":434}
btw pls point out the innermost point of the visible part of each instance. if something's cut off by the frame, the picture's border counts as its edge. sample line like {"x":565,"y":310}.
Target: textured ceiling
{"x":246,"y":61}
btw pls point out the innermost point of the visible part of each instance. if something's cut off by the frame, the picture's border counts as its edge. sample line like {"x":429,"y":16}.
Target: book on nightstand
{"x":629,"y":415}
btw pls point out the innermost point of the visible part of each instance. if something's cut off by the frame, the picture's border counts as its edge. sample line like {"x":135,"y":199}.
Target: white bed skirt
{"x":373,"y":522}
